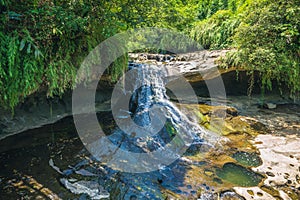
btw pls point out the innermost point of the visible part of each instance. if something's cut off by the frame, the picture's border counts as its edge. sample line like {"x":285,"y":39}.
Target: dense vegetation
{"x":43,"y":42}
{"x":266,"y":36}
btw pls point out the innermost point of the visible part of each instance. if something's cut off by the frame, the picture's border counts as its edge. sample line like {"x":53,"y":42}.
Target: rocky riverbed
{"x":255,"y":155}
{"x":258,"y":160}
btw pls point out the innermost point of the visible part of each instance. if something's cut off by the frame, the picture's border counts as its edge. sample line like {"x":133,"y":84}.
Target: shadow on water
{"x":24,"y":170}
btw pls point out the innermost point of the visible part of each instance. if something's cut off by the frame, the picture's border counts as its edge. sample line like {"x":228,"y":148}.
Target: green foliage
{"x":178,"y":14}
{"x":164,"y":39}
{"x":265,"y":35}
{"x":43,"y":43}
{"x":21,"y":68}
{"x":268,"y":41}
{"x":216,"y":31}
{"x":207,"y":8}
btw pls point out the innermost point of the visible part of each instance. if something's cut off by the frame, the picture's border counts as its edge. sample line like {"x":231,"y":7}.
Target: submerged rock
{"x":85,"y":172}
{"x":91,"y":188}
{"x":239,"y":175}
{"x":247,"y":159}
{"x":51,"y":164}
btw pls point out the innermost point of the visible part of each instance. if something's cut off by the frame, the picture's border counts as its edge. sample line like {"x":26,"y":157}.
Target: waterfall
{"x":152,"y":131}
{"x":153,"y":92}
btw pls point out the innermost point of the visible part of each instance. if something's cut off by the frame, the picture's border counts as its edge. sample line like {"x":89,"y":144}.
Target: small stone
{"x":270,"y":105}
{"x":229,"y":195}
{"x":67,"y":172}
{"x":232,"y":111}
{"x":208,"y":172}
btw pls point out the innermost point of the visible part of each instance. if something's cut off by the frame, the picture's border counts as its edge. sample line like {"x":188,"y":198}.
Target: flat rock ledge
{"x":196,"y":66}
{"x":38,"y":110}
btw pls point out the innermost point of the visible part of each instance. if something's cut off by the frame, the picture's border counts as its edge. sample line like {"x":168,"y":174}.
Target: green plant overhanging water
{"x":21,"y":68}
{"x":268,"y":41}
{"x":43,"y":44}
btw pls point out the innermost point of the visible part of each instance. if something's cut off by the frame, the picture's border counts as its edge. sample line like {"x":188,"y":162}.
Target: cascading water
{"x":151,"y":94}
{"x":156,"y":119}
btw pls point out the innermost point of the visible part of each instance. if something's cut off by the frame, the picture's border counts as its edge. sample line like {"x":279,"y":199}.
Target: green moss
{"x":170,"y":129}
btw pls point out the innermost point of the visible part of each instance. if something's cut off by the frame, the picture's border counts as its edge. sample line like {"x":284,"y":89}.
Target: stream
{"x":253,"y":152}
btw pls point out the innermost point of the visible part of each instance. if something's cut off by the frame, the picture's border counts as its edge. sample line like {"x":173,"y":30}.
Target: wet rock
{"x":142,"y":57}
{"x":85,"y":172}
{"x":270,"y":105}
{"x":83,"y":197}
{"x":91,"y":188}
{"x":282,"y":120}
{"x":81,"y":164}
{"x":68,"y":172}
{"x":217,"y":119}
{"x":38,"y":110}
{"x":133,"y":197}
{"x":217,"y":180}
{"x":208,"y":172}
{"x":195,"y":66}
{"x":208,"y":196}
{"x":229,"y":195}
{"x":253,"y":193}
{"x":232,"y":111}
{"x":51,"y":164}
